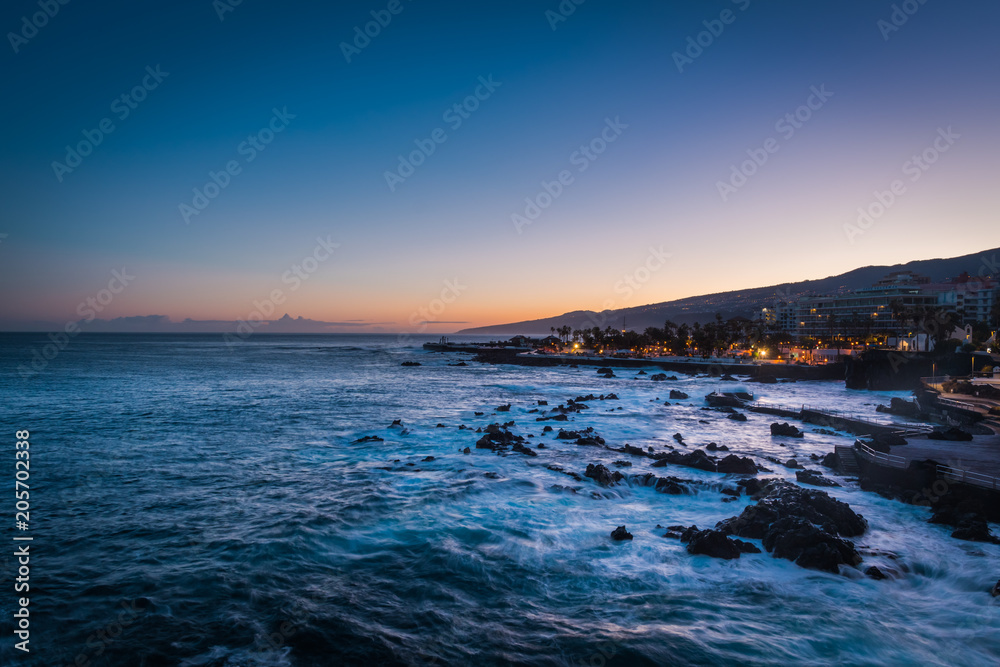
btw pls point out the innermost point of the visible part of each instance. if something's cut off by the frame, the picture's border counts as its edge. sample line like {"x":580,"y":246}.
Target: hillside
{"x":748,"y":302}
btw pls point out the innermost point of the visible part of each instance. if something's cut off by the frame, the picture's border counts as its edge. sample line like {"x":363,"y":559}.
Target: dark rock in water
{"x":996,"y":590}
{"x":792,"y":463}
{"x":610,"y":397}
{"x":620,"y":533}
{"x":491,"y":475}
{"x":727,"y":378}
{"x":799,"y":541}
{"x":751,"y":485}
{"x":602,"y":475}
{"x":658,"y":377}
{"x":479,"y":414}
{"x":975,"y":529}
{"x":623,"y":464}
{"x":543,"y":402}
{"x":547,"y":429}
{"x":786,"y":429}
{"x":554,"y":418}
{"x":368,"y":438}
{"x":831,"y":461}
{"x":696,"y":459}
{"x":733,"y":464}
{"x":635,"y":451}
{"x":604,"y":369}
{"x":427,"y":458}
{"x":718,"y":545}
{"x":678,"y":395}
{"x":814,"y":478}
{"x":672,"y":378}
{"x":672,"y":535}
{"x":711,"y":447}
{"x":679,"y":438}
{"x":396,"y":423}
{"x":410,"y":363}
{"x":875,"y":573}
{"x":441,"y":426}
{"x":954,"y":434}
{"x":737,"y":416}
{"x":898,"y":406}
{"x":779,"y":499}
{"x":641,"y":373}
{"x":521,"y":449}
{"x":503,"y":408}
{"x":686,"y":533}
{"x":670,"y":486}
{"x":497,"y":438}
{"x":731,"y":492}
{"x":587,"y":434}
{"x":466,"y":451}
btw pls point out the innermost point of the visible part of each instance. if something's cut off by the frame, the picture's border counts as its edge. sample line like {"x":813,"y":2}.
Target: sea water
{"x":200,"y":503}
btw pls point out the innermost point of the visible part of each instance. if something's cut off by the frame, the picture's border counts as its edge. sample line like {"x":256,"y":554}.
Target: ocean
{"x":201,"y":504}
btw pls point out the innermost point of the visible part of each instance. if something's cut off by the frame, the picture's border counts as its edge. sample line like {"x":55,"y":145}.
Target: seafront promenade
{"x":757,"y":371}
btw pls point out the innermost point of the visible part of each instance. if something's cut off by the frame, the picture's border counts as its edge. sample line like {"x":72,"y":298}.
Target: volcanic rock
{"x":602,"y":475}
{"x":620,"y":533}
{"x":786,"y":430}
{"x":814,"y":478}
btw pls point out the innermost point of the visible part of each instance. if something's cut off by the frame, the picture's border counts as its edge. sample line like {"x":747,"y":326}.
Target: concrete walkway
{"x":981,"y":454}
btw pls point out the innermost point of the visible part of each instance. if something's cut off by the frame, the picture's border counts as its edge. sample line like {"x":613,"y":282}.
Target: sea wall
{"x":834,"y":371}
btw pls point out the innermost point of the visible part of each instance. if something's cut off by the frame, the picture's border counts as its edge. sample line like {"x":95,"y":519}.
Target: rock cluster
{"x":731,"y":464}
{"x":498,"y":439}
{"x":786,"y":430}
{"x":801,"y":525}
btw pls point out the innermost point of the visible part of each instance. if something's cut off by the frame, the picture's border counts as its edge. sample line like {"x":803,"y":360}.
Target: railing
{"x":947,"y":472}
{"x":875,"y":421}
{"x":772,"y":406}
{"x":854,"y":417}
{"x":869,"y":454}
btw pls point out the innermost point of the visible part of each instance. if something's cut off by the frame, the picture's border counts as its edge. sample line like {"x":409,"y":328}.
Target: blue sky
{"x":655,"y":187}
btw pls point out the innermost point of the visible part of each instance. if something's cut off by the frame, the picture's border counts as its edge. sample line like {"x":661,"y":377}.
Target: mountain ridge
{"x":747,"y":302}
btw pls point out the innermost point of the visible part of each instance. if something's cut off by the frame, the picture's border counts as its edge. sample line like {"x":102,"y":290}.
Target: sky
{"x":467,"y":164}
